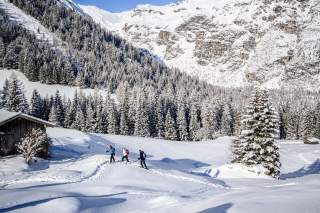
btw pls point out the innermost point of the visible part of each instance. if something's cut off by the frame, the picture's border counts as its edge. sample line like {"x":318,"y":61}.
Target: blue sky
{"x":121,"y":5}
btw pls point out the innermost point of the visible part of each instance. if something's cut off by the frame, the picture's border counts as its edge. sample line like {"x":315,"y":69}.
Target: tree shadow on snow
{"x":218,"y":209}
{"x":186,"y":166}
{"x":86,"y":202}
{"x":312,"y":169}
{"x":178,"y":164}
{"x":35,"y":186}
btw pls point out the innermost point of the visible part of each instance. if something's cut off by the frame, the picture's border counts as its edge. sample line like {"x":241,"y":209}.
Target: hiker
{"x":142,"y":159}
{"x":125,"y":152}
{"x":112,"y":151}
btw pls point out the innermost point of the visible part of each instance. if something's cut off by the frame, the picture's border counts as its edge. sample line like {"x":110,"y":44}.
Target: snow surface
{"x":45,"y":89}
{"x":71,"y":5}
{"x":182,"y":178}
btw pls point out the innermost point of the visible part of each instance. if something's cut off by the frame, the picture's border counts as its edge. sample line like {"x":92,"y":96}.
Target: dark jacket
{"x":142,"y":156}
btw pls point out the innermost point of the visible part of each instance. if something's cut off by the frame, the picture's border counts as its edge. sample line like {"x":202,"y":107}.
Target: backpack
{"x":127,"y":151}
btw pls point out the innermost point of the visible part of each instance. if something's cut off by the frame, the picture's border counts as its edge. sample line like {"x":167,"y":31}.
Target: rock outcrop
{"x":232,"y":42}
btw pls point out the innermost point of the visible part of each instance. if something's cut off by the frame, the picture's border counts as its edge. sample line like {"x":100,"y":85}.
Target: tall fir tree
{"x":141,"y":127}
{"x":170,"y":130}
{"x":113,"y":121}
{"x":309,"y":124}
{"x":208,"y":121}
{"x":92,"y":121}
{"x":2,"y":51}
{"x":36,"y":105}
{"x":80,"y":122}
{"x":4,"y":94}
{"x":16,"y":100}
{"x":124,"y":127}
{"x":256,"y":145}
{"x":227,"y":120}
{"x":53,"y":116}
{"x":103,"y":119}
{"x":194,"y":124}
{"x":317,"y":120}
{"x":183,"y":123}
{"x":160,"y":120}
{"x":58,"y":104}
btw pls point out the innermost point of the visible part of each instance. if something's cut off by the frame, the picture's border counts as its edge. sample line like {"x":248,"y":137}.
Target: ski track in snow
{"x":282,"y":185}
{"x":80,"y":172}
{"x":98,"y":173}
{"x":301,"y":156}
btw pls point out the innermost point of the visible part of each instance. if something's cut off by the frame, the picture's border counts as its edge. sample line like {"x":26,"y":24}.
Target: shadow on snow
{"x":312,"y":169}
{"x":218,"y":209}
{"x":86,"y":202}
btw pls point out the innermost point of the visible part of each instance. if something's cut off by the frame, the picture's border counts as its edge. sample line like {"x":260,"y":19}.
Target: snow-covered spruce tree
{"x":141,"y":127}
{"x":237,"y":123}
{"x":123,"y":98}
{"x":58,"y":104}
{"x":113,"y":121}
{"x":70,"y":115}
{"x":102,"y":116}
{"x":16,"y":100}
{"x":208,"y":121}
{"x":317,"y":126}
{"x":124,"y":128}
{"x":170,"y":130}
{"x":309,"y":125}
{"x":2,"y":51}
{"x":183,"y":123}
{"x":256,"y":145}
{"x":160,"y":120}
{"x":4,"y":94}
{"x":80,"y":122}
{"x":152,"y":112}
{"x":36,"y":105}
{"x":227,"y":120}
{"x":53,"y":115}
{"x":294,"y":118}
{"x":91,"y":119}
{"x":194,"y":124}
{"x":35,"y":143}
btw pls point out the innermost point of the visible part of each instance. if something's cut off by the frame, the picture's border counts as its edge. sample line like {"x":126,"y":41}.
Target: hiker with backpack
{"x":112,"y":151}
{"x":142,"y":159}
{"x":125,"y":156}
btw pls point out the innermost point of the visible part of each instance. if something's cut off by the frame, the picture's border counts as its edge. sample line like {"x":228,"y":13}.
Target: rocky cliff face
{"x":230,"y":42}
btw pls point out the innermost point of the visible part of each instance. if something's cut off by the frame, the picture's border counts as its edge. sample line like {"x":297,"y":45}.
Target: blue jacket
{"x":112,"y":151}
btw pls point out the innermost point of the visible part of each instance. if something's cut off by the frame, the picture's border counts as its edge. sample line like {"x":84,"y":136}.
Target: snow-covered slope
{"x":71,"y":5}
{"x":184,"y":177}
{"x":228,"y":42}
{"x":45,"y":89}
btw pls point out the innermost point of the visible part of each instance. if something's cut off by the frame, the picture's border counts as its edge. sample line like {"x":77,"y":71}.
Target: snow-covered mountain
{"x":71,"y":5}
{"x":228,"y":42}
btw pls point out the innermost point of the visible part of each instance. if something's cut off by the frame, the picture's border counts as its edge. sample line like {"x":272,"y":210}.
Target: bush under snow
{"x":35,"y":143}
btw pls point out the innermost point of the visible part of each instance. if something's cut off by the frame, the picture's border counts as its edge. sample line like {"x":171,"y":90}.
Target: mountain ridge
{"x":228,"y":43}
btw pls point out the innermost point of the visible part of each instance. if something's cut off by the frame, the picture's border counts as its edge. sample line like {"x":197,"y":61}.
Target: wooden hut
{"x":14,"y":126}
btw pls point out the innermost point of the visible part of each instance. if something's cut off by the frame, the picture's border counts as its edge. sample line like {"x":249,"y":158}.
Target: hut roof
{"x":6,"y":116}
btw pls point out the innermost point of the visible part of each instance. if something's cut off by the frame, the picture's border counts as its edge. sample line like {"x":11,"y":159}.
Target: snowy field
{"x":183,"y":177}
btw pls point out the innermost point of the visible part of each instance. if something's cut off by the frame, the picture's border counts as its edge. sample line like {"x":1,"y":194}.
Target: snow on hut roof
{"x":6,"y":116}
